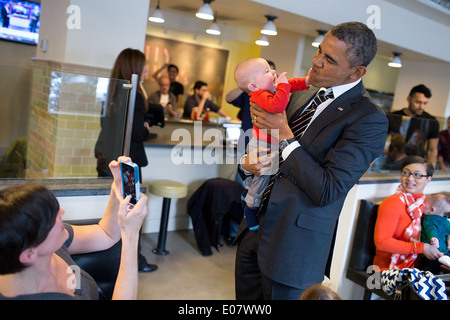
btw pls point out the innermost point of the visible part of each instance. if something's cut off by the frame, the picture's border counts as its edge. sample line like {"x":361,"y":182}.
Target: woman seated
{"x":397,"y":230}
{"x":35,"y":245}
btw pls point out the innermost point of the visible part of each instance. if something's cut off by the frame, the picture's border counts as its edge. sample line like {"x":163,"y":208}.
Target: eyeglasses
{"x":415,"y":175}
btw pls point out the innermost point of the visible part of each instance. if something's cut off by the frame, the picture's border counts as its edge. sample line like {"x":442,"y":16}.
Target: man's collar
{"x":338,"y":90}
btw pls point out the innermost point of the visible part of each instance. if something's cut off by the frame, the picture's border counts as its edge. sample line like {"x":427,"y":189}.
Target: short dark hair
{"x":27,"y":214}
{"x":172,"y":66}
{"x":199,"y":84}
{"x":416,"y":159}
{"x":360,"y":39}
{"x":421,"y":89}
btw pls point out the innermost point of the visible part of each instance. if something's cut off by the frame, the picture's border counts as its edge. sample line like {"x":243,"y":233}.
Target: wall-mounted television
{"x":19,"y":21}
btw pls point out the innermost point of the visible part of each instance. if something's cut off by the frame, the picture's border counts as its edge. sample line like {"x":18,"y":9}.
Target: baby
{"x":271,"y":93}
{"x":435,"y":224}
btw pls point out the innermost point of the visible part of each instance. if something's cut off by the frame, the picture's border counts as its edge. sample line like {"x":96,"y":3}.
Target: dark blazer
{"x":299,"y":223}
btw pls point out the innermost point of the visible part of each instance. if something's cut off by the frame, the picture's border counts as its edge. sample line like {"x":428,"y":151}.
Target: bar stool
{"x":168,"y":190}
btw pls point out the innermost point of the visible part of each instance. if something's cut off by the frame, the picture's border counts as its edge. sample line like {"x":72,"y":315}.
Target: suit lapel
{"x":299,"y":100}
{"x":340,"y":106}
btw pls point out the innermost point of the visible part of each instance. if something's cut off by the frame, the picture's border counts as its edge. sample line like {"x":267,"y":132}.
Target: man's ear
{"x":358,"y":72}
{"x":28,"y":256}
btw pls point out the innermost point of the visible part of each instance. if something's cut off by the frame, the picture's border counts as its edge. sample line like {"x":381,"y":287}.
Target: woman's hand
{"x":130,"y":221}
{"x":114,"y":166}
{"x":431,"y":252}
{"x":259,"y":161}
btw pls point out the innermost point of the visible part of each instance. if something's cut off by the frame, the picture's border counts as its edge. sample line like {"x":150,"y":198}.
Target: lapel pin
{"x":340,"y":109}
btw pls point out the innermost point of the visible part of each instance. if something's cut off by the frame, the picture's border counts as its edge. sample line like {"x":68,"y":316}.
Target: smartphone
{"x":130,"y":181}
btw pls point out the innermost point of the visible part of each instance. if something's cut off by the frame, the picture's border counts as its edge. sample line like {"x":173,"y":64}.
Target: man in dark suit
{"x":292,"y":248}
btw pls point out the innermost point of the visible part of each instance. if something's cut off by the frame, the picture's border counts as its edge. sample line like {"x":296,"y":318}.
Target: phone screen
{"x":130,"y":181}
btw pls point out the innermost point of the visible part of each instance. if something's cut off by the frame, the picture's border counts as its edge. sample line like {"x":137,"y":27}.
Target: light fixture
{"x":262,"y":41}
{"x":157,"y":16}
{"x":214,"y":28}
{"x":319,"y":38}
{"x":395,"y":62}
{"x":205,"y":11}
{"x":269,"y":28}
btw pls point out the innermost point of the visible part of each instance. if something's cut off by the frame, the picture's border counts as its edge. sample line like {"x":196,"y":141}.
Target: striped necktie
{"x":301,"y":122}
{"x":298,"y":126}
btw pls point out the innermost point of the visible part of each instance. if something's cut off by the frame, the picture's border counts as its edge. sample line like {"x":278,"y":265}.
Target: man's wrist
{"x":286,"y":142}
{"x":285,"y":133}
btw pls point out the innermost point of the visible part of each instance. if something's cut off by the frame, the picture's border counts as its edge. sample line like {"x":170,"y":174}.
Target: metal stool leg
{"x":161,"y":248}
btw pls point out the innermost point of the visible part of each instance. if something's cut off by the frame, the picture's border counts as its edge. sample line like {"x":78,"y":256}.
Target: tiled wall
{"x":66,"y":106}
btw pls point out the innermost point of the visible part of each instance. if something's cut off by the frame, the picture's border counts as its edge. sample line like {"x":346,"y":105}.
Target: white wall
{"x":106,"y":28}
{"x":398,"y":26}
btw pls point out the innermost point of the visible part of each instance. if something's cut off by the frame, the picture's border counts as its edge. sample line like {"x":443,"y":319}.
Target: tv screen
{"x":20,"y":21}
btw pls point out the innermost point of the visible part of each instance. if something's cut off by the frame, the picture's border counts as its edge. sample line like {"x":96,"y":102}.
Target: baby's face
{"x":427,"y":209}
{"x":264,"y":77}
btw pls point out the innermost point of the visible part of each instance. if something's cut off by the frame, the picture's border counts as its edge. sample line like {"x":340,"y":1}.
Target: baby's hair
{"x":242,"y":74}
{"x":441,"y":201}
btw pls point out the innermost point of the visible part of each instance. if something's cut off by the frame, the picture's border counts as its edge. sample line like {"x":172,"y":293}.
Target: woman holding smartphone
{"x":35,"y":245}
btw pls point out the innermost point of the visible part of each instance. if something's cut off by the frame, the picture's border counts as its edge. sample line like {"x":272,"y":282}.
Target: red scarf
{"x":414,"y":207}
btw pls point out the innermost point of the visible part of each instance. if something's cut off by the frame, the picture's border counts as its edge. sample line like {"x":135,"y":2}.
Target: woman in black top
{"x":128,"y":62}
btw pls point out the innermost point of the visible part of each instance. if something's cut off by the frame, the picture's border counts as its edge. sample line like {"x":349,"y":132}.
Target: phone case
{"x":130,"y":181}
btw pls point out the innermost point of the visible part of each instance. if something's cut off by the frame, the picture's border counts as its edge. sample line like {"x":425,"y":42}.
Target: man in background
{"x":420,"y":123}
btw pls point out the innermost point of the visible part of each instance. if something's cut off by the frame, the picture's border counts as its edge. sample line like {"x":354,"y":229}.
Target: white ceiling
{"x":249,"y":14}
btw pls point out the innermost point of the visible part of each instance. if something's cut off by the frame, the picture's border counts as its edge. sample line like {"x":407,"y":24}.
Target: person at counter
{"x":444,"y":147}
{"x":35,"y":245}
{"x":397,"y":229}
{"x":128,"y":62}
{"x":200,"y":99}
{"x":395,"y":154}
{"x":422,"y":124}
{"x":164,"y":97}
{"x":175,"y":87}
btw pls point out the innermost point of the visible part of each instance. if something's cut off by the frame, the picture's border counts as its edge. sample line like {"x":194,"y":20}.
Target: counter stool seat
{"x":167,"y":189}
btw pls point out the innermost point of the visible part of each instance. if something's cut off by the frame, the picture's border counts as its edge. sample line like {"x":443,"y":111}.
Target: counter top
{"x":63,"y":187}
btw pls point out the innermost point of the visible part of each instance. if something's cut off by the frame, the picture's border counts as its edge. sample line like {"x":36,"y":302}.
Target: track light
{"x":213,"y":29}
{"x":269,"y":28}
{"x":157,"y":16}
{"x":262,"y":41}
{"x":205,"y":11}
{"x":395,"y":62}
{"x":319,"y":38}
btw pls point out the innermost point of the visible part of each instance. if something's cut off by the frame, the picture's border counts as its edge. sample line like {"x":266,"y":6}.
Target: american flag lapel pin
{"x":340,"y":109}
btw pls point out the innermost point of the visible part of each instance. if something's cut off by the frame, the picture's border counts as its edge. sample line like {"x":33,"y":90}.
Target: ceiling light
{"x":269,"y":28}
{"x":157,"y":16}
{"x":205,"y":12}
{"x":262,"y":41}
{"x":319,"y":38}
{"x":213,"y":29}
{"x":395,"y":62}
